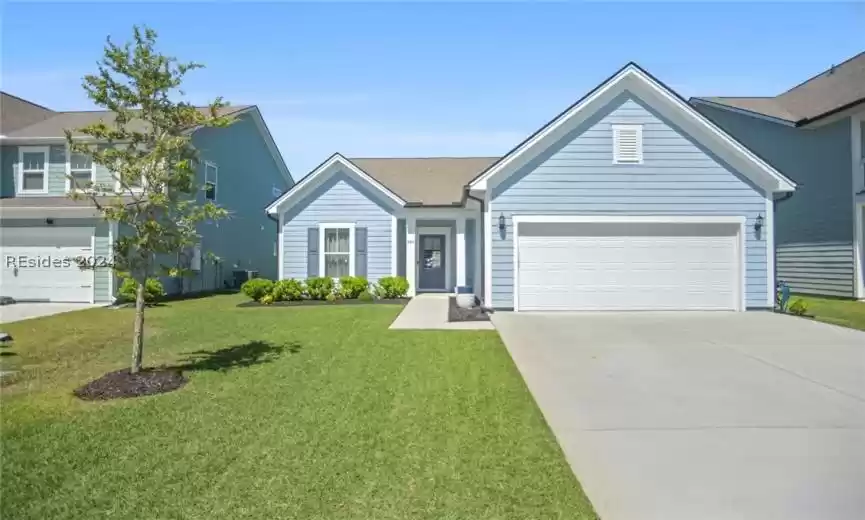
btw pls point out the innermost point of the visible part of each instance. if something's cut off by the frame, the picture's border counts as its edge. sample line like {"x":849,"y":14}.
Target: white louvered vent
{"x":627,"y":144}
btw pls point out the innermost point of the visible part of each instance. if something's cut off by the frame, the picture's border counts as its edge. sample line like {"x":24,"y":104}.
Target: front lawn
{"x":847,"y":313}
{"x":307,"y":412}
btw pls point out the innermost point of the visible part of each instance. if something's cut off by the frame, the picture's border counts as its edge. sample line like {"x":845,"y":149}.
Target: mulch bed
{"x":394,"y":301}
{"x":122,"y":384}
{"x":457,"y":313}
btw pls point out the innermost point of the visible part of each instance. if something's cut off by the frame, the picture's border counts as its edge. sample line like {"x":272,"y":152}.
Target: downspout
{"x":775,"y":203}
{"x":480,"y":229}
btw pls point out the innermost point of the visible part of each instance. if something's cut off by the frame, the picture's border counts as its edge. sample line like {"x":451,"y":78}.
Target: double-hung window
{"x":337,"y":250}
{"x":80,"y":174}
{"x":211,"y":172}
{"x":33,"y":169}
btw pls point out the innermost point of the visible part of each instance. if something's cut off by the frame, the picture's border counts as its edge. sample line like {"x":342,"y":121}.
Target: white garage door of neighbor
{"x":628,"y":266}
{"x":38,"y":273}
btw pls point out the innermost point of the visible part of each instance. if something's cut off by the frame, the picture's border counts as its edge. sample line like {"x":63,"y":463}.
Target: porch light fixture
{"x":758,"y":224}
{"x":501,"y":221}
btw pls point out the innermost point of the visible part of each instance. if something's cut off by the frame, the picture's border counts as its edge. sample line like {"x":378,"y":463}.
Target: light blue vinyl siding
{"x":8,"y":170}
{"x":339,"y":199}
{"x":814,"y":228}
{"x":247,"y":176}
{"x":56,"y":172}
{"x":56,"y":180}
{"x":577,"y":177}
{"x":102,"y":276}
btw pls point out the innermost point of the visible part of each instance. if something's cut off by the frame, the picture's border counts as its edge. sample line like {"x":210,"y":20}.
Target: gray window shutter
{"x":360,"y":251}
{"x":312,"y":252}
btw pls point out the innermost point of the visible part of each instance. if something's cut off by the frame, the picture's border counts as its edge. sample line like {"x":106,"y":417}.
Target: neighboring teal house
{"x":815,"y":133}
{"x":630,"y":199}
{"x":40,"y":226}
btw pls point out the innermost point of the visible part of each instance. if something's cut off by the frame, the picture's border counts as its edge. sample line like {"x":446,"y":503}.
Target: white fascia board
{"x":633,"y":79}
{"x":629,"y":219}
{"x":323,"y":172}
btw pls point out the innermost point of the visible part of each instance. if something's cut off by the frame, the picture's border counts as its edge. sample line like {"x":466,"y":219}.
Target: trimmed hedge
{"x":324,"y":288}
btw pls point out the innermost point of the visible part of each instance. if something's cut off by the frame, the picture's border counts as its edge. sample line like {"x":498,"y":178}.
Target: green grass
{"x":350,"y":421}
{"x":847,"y":313}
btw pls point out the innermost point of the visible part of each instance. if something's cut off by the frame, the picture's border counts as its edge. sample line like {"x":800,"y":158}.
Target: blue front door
{"x":431,"y":275}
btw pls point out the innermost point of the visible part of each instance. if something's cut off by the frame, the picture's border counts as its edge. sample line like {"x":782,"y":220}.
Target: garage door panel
{"x":679,"y":267}
{"x":45,"y":273}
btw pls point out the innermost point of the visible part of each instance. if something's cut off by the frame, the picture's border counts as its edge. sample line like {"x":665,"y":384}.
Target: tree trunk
{"x":138,"y":334}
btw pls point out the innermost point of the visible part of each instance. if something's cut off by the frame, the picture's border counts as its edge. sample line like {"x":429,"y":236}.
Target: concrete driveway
{"x":701,"y":415}
{"x":26,"y":311}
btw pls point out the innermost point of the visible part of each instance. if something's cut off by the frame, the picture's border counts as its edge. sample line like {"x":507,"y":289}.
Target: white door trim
{"x":636,"y":219}
{"x":446,"y":231}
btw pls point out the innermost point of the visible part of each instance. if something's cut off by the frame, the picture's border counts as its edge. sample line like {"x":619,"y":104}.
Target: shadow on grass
{"x":237,"y":356}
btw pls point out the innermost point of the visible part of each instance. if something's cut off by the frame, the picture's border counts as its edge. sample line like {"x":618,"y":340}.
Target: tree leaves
{"x":146,"y":144}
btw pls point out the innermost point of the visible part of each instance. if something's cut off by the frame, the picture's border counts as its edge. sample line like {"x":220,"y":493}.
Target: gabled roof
{"x":334,"y":164}
{"x":837,"y":88}
{"x":427,"y":181}
{"x":53,"y":126}
{"x":25,"y":122}
{"x":637,"y":81}
{"x":407,"y":181}
{"x":16,"y":113}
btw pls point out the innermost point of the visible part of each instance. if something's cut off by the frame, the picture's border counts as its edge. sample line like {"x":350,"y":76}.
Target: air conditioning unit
{"x":241,"y":276}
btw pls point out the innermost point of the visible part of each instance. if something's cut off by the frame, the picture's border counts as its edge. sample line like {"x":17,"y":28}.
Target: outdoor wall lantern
{"x":758,"y":224}
{"x":501,"y":221}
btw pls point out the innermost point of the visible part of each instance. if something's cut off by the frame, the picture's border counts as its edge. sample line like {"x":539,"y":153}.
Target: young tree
{"x":147,"y":146}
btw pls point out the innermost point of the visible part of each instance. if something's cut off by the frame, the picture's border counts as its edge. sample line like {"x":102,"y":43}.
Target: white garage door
{"x":43,"y":273}
{"x":628,"y":266}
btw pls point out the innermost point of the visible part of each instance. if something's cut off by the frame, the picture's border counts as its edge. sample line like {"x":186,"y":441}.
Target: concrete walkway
{"x":26,"y":311}
{"x":686,"y":416}
{"x":430,"y":311}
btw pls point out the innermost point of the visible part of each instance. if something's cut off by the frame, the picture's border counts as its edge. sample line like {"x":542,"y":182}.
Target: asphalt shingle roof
{"x":55,"y":125}
{"x":833,"y":89}
{"x":431,"y":181}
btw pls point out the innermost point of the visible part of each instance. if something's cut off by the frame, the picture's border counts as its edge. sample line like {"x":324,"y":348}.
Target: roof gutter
{"x":848,"y":106}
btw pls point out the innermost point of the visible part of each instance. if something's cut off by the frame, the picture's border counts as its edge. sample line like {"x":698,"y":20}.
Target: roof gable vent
{"x":627,"y":144}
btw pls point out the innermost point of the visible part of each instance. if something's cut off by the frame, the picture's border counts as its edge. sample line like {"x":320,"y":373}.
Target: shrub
{"x":152,"y":290}
{"x":257,"y":288}
{"x":798,"y":307}
{"x":318,"y":287}
{"x":290,"y":290}
{"x":267,"y":299}
{"x":331,"y":297}
{"x":365,"y":296}
{"x":350,"y":287}
{"x":392,"y":287}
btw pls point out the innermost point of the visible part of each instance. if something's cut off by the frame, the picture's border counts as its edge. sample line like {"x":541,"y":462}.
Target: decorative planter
{"x":465,"y":297}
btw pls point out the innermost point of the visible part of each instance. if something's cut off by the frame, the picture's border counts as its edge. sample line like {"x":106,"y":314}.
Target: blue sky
{"x":427,"y":79}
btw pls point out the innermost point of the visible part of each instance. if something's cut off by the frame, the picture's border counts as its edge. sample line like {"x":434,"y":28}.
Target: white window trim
{"x":322,"y":228}
{"x":210,"y":164}
{"x":740,"y":222}
{"x":46,"y":152}
{"x":627,"y":127}
{"x":69,"y":187}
